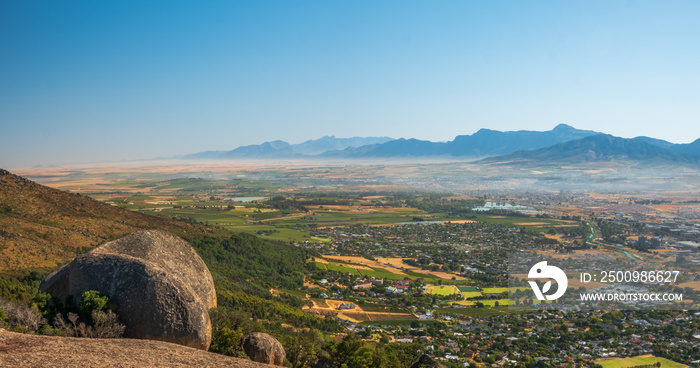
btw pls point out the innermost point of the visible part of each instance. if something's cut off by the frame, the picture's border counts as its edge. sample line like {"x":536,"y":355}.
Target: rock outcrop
{"x":162,"y":288}
{"x":30,"y":351}
{"x":263,"y":348}
{"x":172,"y":254}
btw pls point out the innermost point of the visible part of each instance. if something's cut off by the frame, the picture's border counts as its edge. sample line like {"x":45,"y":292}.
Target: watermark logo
{"x":543,"y":271}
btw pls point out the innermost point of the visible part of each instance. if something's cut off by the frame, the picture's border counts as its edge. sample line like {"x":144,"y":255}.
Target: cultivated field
{"x":638,"y":360}
{"x":695,"y":285}
{"x":384,"y":268}
{"x":365,"y":263}
{"x":495,"y":290}
{"x":442,"y":289}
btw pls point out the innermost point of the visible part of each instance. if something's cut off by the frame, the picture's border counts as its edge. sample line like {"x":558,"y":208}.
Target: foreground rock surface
{"x":21,"y":350}
{"x":162,"y":288}
{"x":263,"y":348}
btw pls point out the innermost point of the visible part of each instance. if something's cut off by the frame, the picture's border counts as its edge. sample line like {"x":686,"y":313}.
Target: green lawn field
{"x":495,"y":290}
{"x":471,"y":294}
{"x":638,"y":360}
{"x":467,"y":289}
{"x":442,"y":290}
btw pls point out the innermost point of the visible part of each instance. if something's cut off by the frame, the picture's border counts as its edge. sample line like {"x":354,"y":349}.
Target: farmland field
{"x":471,"y":294}
{"x":377,"y":316}
{"x":371,"y":268}
{"x":339,"y":268}
{"x":467,"y":289}
{"x":638,"y":360}
{"x":495,"y":290}
{"x":489,"y":303}
{"x":442,"y":290}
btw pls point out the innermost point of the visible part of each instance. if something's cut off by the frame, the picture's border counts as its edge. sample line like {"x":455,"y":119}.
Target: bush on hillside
{"x":101,"y":321}
{"x":20,"y":317}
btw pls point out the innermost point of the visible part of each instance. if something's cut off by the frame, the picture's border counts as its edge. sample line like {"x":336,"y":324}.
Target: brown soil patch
{"x":313,"y":286}
{"x":395,"y":262}
{"x":376,"y":316}
{"x":346,"y":317}
{"x":558,"y":237}
{"x":695,"y":285}
{"x":335,"y":305}
{"x":461,"y":221}
{"x":440,"y":274}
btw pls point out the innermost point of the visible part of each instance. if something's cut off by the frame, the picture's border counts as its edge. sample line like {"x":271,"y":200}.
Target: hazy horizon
{"x":111,"y":81}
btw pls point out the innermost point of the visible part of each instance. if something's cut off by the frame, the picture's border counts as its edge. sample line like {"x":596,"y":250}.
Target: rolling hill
{"x":41,"y":227}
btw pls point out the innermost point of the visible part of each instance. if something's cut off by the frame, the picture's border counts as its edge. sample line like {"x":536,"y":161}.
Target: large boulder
{"x":263,"y":348}
{"x":172,"y":254}
{"x":161,"y":286}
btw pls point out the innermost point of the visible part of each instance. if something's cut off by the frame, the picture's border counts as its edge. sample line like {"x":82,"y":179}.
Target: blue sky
{"x":85,"y":81}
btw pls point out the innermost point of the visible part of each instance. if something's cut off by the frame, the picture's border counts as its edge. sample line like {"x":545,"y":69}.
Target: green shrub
{"x":227,"y":342}
{"x":92,"y":300}
{"x":3,"y":317}
{"x":20,"y":329}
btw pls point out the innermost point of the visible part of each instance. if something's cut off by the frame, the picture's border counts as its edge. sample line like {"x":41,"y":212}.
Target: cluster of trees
{"x":438,"y":204}
{"x":93,"y":316}
{"x":283,"y":204}
{"x":611,"y":231}
{"x":582,"y":230}
{"x":241,"y":257}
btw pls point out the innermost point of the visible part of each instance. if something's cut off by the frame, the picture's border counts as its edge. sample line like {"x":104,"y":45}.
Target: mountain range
{"x":563,"y":144}
{"x":599,"y":147}
{"x":278,"y":149}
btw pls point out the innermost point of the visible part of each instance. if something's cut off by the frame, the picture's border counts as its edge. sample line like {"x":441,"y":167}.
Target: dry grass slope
{"x":41,"y":227}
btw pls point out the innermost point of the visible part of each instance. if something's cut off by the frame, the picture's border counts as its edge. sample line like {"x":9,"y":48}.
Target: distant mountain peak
{"x":563,"y":126}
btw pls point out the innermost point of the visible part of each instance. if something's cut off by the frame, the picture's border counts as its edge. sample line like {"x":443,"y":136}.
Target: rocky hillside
{"x":22,"y":350}
{"x":42,"y":227}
